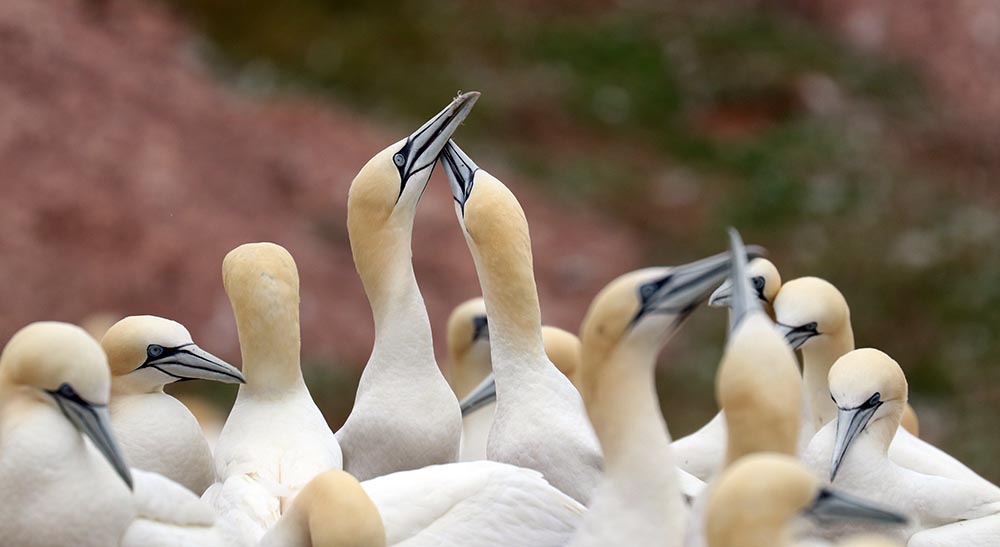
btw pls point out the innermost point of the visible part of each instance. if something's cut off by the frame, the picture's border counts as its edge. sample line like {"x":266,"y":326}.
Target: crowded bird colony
{"x":539,"y":438}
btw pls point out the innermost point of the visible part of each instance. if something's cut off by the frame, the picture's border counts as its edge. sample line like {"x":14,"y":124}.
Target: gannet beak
{"x":189,"y":362}
{"x":796,"y":336}
{"x":850,"y":423}
{"x":744,"y":299}
{"x":461,"y":171}
{"x":833,"y":505}
{"x":685,"y":287}
{"x":480,"y":327}
{"x":721,"y":297}
{"x":94,"y":421}
{"x":481,"y":396}
{"x":423,"y":147}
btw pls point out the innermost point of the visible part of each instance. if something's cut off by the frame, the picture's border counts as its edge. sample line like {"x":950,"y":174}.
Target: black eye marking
{"x":399,"y":160}
{"x":154,"y":351}
{"x":874,"y":400}
{"x":758,"y":283}
{"x":647,"y":291}
{"x":810,"y":326}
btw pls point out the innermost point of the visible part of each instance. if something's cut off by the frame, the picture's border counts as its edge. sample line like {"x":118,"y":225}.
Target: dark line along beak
{"x":744,"y":301}
{"x":94,"y":421}
{"x":482,"y":395}
{"x":189,"y":362}
{"x":461,"y":171}
{"x":833,"y":505}
{"x":796,"y":336}
{"x":850,"y":423}
{"x":423,"y":147}
{"x":686,"y":286}
{"x":480,"y":328}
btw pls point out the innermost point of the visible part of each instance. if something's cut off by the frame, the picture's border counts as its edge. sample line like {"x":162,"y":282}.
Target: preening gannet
{"x":331,"y":511}
{"x":628,"y":323}
{"x":275,"y":439}
{"x":869,"y":390}
{"x":540,"y":422}
{"x":155,"y":431}
{"x":756,"y":499}
{"x":56,"y":488}
{"x":405,"y":415}
{"x":816,"y":319}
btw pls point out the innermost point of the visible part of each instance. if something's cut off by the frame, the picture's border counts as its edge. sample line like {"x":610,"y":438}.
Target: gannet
{"x":816,"y":320}
{"x":757,"y":386}
{"x":59,"y":489}
{"x":331,"y":511}
{"x":764,"y":280}
{"x":155,"y":431}
{"x":405,"y":415}
{"x":628,"y":323}
{"x":275,"y":439}
{"x":869,"y":389}
{"x":756,"y":499}
{"x":540,"y":422}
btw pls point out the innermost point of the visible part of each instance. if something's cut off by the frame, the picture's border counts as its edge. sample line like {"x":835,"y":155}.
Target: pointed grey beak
{"x":850,"y":423}
{"x":189,"y":362}
{"x":94,"y":421}
{"x":461,"y":171}
{"x":687,"y":286}
{"x":482,"y":395}
{"x":744,"y":299}
{"x":833,"y":505}
{"x":423,"y":147}
{"x":796,"y":336}
{"x":722,"y":296}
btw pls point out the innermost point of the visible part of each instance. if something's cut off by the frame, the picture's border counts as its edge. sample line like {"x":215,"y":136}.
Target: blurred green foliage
{"x":681,"y":118}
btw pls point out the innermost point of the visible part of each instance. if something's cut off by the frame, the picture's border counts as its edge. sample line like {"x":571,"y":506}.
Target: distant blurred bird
{"x":275,"y":439}
{"x":869,"y":390}
{"x":540,"y":422}
{"x":156,"y":432}
{"x":404,"y":416}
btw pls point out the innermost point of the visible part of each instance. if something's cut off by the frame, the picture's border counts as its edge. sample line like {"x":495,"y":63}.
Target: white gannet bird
{"x":405,"y":416}
{"x":540,"y":422}
{"x":869,"y":390}
{"x":764,"y":280}
{"x":757,"y":499}
{"x":59,"y":489}
{"x":155,"y":431}
{"x":471,"y":375}
{"x":816,"y":320}
{"x":628,"y":323}
{"x":275,"y":439}
{"x":331,"y":511}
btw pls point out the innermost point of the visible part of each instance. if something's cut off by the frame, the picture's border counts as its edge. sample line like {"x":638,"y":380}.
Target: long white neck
{"x":625,"y":411}
{"x":817,"y":357}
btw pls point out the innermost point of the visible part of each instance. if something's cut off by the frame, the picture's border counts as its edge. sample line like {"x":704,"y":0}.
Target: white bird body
{"x":701,"y":453}
{"x":168,"y":515}
{"x":159,"y":431}
{"x":56,"y":488}
{"x":476,"y":432}
{"x":473,"y":504}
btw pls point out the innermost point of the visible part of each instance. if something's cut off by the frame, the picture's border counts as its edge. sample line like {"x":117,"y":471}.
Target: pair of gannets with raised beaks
{"x":869,"y":390}
{"x":63,"y":489}
{"x":155,"y":431}
{"x":468,"y":343}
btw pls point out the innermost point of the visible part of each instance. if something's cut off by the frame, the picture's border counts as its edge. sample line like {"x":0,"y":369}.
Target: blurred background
{"x":142,"y":140}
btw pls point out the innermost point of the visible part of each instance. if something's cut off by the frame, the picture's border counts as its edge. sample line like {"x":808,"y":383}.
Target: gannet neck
{"x":262,"y":282}
{"x":497,"y":233}
{"x":134,"y":383}
{"x":818,"y":355}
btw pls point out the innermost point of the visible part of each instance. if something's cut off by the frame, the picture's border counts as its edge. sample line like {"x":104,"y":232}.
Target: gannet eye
{"x":154,"y":350}
{"x":758,"y":283}
{"x":873,"y":400}
{"x":810,"y":326}
{"x":646,"y":291}
{"x":399,"y":160}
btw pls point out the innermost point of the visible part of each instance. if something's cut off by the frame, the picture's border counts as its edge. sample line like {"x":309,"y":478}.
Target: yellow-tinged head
{"x":810,"y":307}
{"x":467,"y":327}
{"x":764,"y":280}
{"x":910,"y":421}
{"x":339,"y":513}
{"x":155,"y":351}
{"x":260,"y":276}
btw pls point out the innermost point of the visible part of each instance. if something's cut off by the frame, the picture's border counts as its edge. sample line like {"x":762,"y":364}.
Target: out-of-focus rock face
{"x":955,"y":44}
{"x":127,"y":173}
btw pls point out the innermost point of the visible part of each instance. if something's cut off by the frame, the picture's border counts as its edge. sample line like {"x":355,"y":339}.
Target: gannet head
{"x":63,"y":366}
{"x":153,"y":351}
{"x":563,"y":349}
{"x":758,"y":385}
{"x":867,"y":386}
{"x":467,"y":329}
{"x":759,"y":494}
{"x":810,"y":307}
{"x":261,"y":279}
{"x":644,"y":308}
{"x":338,"y":513}
{"x":764,"y":279}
